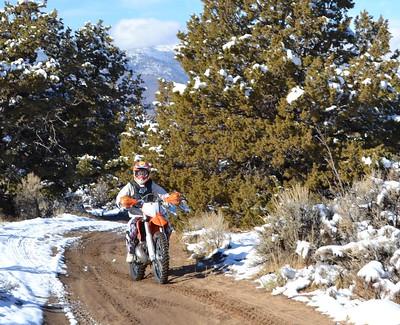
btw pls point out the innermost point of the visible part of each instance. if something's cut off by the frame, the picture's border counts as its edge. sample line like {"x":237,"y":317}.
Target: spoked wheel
{"x":136,"y":270}
{"x":161,"y":262}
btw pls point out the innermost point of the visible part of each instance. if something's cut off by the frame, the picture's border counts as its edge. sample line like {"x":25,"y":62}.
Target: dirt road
{"x":101,"y":292}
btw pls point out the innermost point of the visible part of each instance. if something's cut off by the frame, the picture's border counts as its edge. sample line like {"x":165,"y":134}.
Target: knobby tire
{"x":161,"y":264}
{"x":137,"y":270}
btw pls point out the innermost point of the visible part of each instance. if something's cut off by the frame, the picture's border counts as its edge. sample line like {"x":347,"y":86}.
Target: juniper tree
{"x":276,"y":94}
{"x":63,"y":95}
{"x":101,"y":93}
{"x":29,"y":74}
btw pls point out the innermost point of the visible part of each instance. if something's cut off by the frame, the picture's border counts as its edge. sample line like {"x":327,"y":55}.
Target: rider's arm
{"x":157,"y":189}
{"x":172,"y":198}
{"x":127,"y":190}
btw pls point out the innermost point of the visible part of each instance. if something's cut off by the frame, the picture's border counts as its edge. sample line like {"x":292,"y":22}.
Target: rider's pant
{"x":131,"y":231}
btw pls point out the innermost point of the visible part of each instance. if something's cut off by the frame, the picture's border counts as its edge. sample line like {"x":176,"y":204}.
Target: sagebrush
{"x":293,"y":219}
{"x":209,"y":231}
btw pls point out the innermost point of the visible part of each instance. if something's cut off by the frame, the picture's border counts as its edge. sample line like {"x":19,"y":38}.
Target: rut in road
{"x":101,"y":291}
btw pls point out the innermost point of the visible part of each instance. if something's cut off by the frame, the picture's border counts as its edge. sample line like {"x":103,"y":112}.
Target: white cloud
{"x":138,"y":33}
{"x":395,"y":30}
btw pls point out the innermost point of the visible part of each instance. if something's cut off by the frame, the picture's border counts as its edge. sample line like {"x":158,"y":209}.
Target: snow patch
{"x":178,"y":88}
{"x":293,"y":57}
{"x":231,"y":43}
{"x":198,"y":84}
{"x":32,"y":258}
{"x":294,"y":94}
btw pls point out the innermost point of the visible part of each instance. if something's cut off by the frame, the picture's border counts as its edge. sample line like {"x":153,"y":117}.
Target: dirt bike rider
{"x":130,"y":195}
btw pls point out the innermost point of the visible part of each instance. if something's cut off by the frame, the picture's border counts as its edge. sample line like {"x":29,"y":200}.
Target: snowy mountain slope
{"x":154,"y":63}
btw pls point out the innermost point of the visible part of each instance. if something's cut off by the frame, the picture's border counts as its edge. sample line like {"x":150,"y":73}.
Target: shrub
{"x":208,"y":231}
{"x":292,"y":219}
{"x":360,"y":204}
{"x":345,"y":235}
{"x":6,"y":206}
{"x":100,"y":193}
{"x":32,"y":200}
{"x":6,"y":286}
{"x":29,"y":200}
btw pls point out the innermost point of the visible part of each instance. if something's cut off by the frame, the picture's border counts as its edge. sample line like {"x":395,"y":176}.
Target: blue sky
{"x":141,"y":23}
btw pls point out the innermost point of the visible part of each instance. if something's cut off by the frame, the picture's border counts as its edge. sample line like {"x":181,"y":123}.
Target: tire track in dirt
{"x":100,"y":291}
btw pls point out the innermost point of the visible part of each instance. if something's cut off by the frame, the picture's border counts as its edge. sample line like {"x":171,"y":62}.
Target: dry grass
{"x":280,"y":259}
{"x":292,"y":219}
{"x":214,"y":232}
{"x":393,"y":174}
{"x":356,"y":205}
{"x":208,"y":220}
{"x":344,"y":280}
{"x":391,"y":202}
{"x":3,"y":218}
{"x":396,"y":299}
{"x":100,"y":193}
{"x":29,"y":200}
{"x":365,"y":290}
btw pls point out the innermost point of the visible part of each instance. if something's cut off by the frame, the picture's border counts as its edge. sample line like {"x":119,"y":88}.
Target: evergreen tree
{"x":276,"y":95}
{"x":64,"y":97}
{"x":29,"y":76}
{"x":101,"y":96}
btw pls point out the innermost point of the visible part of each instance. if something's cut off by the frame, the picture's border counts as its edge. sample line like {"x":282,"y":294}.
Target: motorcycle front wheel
{"x":161,"y":262}
{"x":136,"y":270}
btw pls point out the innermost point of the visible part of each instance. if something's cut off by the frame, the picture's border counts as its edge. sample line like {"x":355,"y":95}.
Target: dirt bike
{"x":152,"y":241}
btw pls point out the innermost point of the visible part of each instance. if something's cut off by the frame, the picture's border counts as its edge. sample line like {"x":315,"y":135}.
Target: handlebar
{"x":150,"y":198}
{"x":155,"y":198}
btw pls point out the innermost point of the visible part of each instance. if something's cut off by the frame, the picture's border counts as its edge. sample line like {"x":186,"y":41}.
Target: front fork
{"x":149,"y":242}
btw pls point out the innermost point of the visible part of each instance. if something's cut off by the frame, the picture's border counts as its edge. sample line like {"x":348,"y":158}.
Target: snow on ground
{"x":240,"y":262}
{"x":240,"y":258}
{"x":378,"y":245}
{"x":31,"y":258}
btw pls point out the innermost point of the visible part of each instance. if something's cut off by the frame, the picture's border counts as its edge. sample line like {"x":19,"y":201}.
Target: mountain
{"x":154,"y":63}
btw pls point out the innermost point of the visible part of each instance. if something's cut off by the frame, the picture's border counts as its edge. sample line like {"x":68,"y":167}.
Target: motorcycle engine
{"x":141,"y":252}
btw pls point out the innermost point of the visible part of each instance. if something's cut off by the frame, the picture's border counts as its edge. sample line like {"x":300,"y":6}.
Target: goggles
{"x":141,"y":173}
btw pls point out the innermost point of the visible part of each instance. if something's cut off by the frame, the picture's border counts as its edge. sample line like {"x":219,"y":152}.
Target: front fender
{"x":159,"y":220}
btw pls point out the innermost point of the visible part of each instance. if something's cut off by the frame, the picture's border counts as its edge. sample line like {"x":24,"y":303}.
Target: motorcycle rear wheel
{"x":137,"y":270}
{"x":161,"y":262}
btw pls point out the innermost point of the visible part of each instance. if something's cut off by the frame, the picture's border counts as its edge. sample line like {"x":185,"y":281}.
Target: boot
{"x":129,"y":257}
{"x":130,"y":249}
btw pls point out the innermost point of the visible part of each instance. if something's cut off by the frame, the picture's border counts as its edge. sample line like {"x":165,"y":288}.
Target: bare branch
{"x":331,"y":161}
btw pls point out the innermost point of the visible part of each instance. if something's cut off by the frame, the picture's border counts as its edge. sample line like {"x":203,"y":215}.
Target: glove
{"x":174,"y":198}
{"x":128,"y":202}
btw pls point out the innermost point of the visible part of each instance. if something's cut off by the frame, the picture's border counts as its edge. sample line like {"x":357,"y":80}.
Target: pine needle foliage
{"x":63,"y":95}
{"x":280,"y":92}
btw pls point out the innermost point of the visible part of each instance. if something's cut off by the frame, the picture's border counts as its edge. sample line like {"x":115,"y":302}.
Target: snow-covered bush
{"x":6,"y":286}
{"x":206,"y":234}
{"x":358,"y":204}
{"x":294,"y":225}
{"x":100,"y":193}
{"x":352,"y":243}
